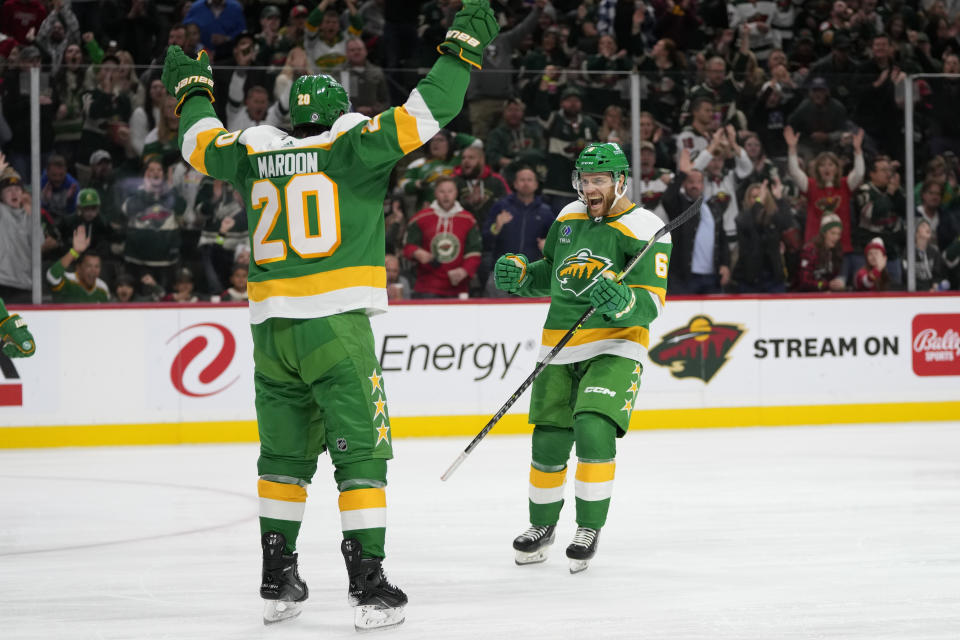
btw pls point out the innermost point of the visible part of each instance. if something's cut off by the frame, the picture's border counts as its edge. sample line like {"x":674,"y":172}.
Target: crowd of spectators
{"x":785,"y":116}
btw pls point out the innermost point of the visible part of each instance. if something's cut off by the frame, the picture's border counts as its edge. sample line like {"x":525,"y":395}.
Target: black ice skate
{"x":377,"y":603}
{"x":282,"y":590}
{"x":533,"y":545}
{"x":583,"y":548}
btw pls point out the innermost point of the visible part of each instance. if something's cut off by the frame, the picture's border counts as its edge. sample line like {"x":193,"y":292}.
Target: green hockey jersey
{"x":577,"y":251}
{"x":315,"y":205}
{"x":67,"y":287}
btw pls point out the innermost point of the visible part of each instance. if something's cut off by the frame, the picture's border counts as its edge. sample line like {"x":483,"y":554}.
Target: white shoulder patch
{"x":577,"y":206}
{"x":266,"y":138}
{"x":262,"y":138}
{"x":643,"y":223}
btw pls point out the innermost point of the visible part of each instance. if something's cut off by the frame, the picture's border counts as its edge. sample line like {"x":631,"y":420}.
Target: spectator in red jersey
{"x":444,"y":239}
{"x":822,"y":258}
{"x":873,"y":276}
{"x":827,"y":191}
{"x":21,"y":19}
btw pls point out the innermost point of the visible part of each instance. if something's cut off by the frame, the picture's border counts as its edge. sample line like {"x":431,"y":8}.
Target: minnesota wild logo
{"x":445,"y":246}
{"x":580,"y":271}
{"x":697,"y":350}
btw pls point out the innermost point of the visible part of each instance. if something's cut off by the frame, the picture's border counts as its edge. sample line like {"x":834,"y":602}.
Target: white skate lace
{"x":534,"y":533}
{"x":584,"y":537}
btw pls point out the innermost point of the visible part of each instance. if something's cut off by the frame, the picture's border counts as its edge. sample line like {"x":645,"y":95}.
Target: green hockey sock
{"x":596,"y":453}
{"x":281,"y":507}
{"x":548,"y":472}
{"x":363,"y":504}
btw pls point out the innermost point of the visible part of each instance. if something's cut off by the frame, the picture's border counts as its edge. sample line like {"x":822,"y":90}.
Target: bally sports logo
{"x":198,"y":368}
{"x":936,"y":344}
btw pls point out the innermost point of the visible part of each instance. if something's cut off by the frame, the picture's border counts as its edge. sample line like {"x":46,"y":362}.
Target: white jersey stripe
{"x":427,"y":125}
{"x":371,"y":299}
{"x":581,"y":352}
{"x":190,"y":137}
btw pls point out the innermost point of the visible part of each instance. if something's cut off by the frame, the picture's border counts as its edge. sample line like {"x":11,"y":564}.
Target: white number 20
{"x":660,"y":264}
{"x":265,"y":196}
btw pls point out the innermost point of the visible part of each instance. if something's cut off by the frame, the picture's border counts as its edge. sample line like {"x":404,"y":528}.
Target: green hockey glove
{"x":472,"y":29}
{"x":16,"y":339}
{"x":184,"y":77}
{"x":611,"y":298}
{"x":510,"y":272}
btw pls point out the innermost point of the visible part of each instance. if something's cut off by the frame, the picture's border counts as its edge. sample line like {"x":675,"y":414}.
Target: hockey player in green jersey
{"x":315,"y":205}
{"x":587,"y":393}
{"x":16,"y":341}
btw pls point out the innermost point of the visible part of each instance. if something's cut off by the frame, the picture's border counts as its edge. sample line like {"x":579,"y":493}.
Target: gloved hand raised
{"x":472,"y":29}
{"x":183,"y":76}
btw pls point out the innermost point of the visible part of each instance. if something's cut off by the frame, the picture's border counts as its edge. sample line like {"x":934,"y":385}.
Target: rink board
{"x":142,"y":375}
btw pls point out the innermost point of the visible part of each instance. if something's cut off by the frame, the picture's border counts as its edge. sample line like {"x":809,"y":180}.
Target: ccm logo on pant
{"x":603,"y":390}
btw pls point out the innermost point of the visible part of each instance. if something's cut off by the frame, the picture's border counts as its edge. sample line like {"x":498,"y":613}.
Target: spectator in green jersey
{"x":83,"y":285}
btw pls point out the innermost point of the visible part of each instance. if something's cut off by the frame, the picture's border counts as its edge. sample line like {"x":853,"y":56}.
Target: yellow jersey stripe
{"x":547,"y":480}
{"x":624,"y":229}
{"x":595,"y":471}
{"x":317,"y":283}
{"x":660,"y":292}
{"x":363,"y":499}
{"x":198,"y":157}
{"x":639,"y":335}
{"x":281,"y":491}
{"x":407,"y":135}
{"x":573,"y":216}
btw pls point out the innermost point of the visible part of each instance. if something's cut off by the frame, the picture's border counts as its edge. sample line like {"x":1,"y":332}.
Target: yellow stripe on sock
{"x":547,"y":480}
{"x":595,"y":471}
{"x":281,"y":491}
{"x":362,"y":499}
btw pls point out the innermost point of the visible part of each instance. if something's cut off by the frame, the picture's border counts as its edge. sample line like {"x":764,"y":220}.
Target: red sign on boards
{"x":936,"y":344}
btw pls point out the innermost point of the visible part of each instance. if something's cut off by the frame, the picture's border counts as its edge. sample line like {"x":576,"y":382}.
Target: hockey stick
{"x":692,"y":211}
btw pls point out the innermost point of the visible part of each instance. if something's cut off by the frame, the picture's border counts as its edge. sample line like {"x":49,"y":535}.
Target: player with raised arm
{"x":586,"y":395}
{"x":16,"y":341}
{"x":315,"y":205}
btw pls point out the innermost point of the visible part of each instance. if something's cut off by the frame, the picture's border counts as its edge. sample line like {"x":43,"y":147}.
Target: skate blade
{"x":279,"y":610}
{"x":576,"y":566}
{"x":532,"y":557}
{"x":372,"y":618}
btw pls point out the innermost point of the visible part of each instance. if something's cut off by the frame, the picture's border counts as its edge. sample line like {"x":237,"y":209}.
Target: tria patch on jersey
{"x":581,"y":270}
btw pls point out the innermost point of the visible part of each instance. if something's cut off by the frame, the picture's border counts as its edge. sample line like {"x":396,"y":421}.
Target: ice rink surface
{"x":848,"y":532}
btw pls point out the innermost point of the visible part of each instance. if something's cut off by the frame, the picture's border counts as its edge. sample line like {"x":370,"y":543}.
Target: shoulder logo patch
{"x":580,"y":271}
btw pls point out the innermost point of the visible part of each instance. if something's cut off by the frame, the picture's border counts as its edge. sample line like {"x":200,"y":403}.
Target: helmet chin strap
{"x":618,"y":192}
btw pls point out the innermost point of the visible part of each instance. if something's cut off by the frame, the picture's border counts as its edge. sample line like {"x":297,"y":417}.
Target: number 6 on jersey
{"x":308,"y":240}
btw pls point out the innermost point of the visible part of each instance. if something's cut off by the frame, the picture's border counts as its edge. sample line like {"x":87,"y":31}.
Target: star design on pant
{"x":633,"y":387}
{"x":381,"y":408}
{"x":375,"y":380}
{"x":637,"y":370}
{"x":627,"y":406}
{"x":382,"y":433}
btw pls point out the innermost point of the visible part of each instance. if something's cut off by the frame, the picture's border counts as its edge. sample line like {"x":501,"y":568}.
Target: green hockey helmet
{"x":88,"y":198}
{"x":601,"y":157}
{"x":317,"y":99}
